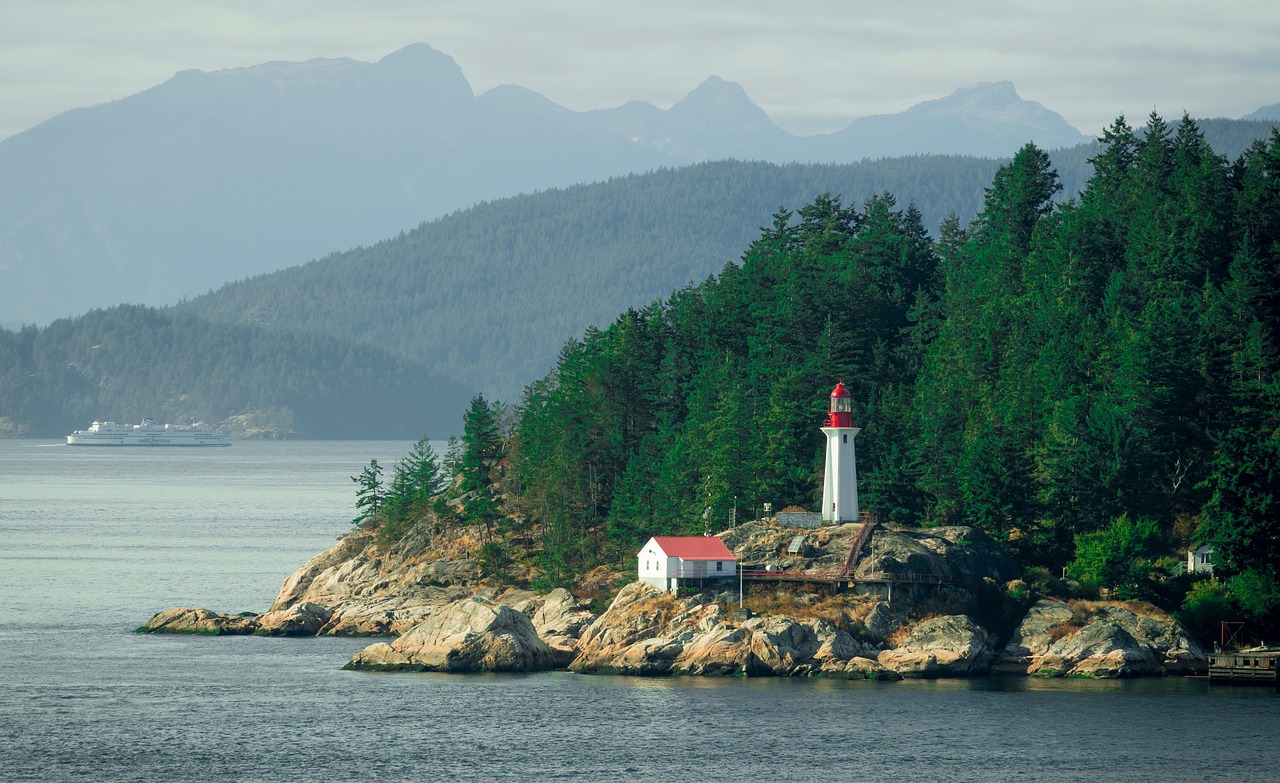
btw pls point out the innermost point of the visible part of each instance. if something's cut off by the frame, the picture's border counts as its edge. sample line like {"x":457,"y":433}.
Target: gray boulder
{"x":560,"y":620}
{"x":780,"y":646}
{"x":199,"y":621}
{"x":1100,"y":639}
{"x":472,"y":635}
{"x":304,"y":619}
{"x":949,"y":646}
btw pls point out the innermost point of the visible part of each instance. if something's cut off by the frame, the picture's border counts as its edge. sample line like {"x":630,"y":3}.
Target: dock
{"x":1257,"y":665}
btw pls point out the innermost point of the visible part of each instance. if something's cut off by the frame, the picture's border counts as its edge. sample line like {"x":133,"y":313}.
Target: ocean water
{"x":93,"y":542}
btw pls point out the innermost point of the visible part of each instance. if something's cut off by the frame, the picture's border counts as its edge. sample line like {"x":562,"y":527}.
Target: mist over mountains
{"x":211,"y":177}
{"x":230,"y":175}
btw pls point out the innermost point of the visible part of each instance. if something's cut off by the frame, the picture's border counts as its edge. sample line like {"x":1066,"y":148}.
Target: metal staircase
{"x":855,"y":549}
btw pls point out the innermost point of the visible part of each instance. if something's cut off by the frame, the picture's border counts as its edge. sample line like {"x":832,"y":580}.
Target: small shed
{"x":1200,"y":560}
{"x":668,"y":562}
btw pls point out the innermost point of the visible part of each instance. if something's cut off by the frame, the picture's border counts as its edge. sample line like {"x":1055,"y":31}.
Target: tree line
{"x":1094,"y":380}
{"x":130,"y":362}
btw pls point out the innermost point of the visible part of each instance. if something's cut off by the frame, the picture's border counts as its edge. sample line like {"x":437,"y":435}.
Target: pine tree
{"x":426,"y":476}
{"x":369,"y":494}
{"x":481,"y":450}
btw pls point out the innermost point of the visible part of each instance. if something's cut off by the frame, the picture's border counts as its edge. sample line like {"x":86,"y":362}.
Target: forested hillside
{"x":1096,"y":382}
{"x":131,"y":362}
{"x":488,"y":296}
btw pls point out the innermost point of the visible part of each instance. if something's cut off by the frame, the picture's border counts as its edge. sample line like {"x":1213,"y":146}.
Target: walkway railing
{"x":877,"y":577}
{"x":855,"y":548}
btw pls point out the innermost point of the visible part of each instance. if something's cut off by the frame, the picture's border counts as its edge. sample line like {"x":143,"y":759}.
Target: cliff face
{"x":449,"y":618}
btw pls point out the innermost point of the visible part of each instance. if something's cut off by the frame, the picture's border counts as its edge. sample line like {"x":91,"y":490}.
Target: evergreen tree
{"x":481,"y":451}
{"x":369,"y":494}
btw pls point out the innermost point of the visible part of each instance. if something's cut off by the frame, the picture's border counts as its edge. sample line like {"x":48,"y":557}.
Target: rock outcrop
{"x":370,"y":592}
{"x":959,"y":564}
{"x":559,"y":620}
{"x":202,"y":621}
{"x":647,"y":632}
{"x":949,"y":646}
{"x":1095,"y":639}
{"x":471,"y":635}
{"x":448,"y":617}
{"x":302,"y":619}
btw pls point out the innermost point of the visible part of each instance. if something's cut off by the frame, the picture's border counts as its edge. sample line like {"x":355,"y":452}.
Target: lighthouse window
{"x":846,"y":438}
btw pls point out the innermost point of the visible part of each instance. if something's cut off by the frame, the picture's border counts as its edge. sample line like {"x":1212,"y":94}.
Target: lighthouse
{"x":840,"y":488}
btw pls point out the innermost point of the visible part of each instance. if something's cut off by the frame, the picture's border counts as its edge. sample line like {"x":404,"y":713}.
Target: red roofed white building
{"x":668,"y":561}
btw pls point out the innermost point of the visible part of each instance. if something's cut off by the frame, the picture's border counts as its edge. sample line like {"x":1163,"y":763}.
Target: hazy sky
{"x":813,"y":66}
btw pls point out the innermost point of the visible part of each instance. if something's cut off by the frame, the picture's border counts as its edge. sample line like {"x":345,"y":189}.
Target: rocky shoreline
{"x":978,"y":621}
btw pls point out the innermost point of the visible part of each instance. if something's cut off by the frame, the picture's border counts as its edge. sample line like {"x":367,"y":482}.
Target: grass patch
{"x":1084,"y":612}
{"x":839,"y":610}
{"x":1063,"y":630}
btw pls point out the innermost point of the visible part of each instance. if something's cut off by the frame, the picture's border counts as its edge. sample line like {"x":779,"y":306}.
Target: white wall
{"x":654,"y":567}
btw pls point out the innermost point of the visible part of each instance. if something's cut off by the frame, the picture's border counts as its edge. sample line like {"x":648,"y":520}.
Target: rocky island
{"x":976,"y":618}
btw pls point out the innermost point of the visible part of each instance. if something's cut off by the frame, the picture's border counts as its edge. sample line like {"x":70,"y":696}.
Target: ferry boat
{"x":148,"y":433}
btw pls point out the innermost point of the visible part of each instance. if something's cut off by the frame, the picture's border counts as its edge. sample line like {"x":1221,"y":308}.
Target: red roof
{"x":694,"y":547}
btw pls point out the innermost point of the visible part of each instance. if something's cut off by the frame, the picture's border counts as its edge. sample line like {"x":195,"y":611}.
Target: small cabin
{"x":1200,"y":560}
{"x":670,"y":562}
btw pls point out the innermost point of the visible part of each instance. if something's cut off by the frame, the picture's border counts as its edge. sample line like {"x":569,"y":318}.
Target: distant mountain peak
{"x":427,"y":74}
{"x":420,"y":57}
{"x":417,"y":67}
{"x":715,"y":91}
{"x":999,"y":96}
{"x":719,"y":102}
{"x":988,"y":119}
{"x":1003,"y":88}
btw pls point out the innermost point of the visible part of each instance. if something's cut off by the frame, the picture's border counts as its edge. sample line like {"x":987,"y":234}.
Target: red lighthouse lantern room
{"x":841,"y":414}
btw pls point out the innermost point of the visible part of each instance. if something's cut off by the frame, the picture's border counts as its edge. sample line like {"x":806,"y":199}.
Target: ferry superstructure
{"x":148,"y":433}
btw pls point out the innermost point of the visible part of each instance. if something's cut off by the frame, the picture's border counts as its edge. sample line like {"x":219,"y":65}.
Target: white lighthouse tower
{"x":840,"y":488}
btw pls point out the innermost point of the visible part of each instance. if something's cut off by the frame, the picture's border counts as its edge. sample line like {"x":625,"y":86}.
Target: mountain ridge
{"x":213,"y":176}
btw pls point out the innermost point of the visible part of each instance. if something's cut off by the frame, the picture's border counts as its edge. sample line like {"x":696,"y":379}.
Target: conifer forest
{"x":1093,"y":381}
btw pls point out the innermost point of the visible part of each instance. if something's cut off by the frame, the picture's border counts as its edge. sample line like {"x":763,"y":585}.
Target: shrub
{"x":1204,"y":609}
{"x":494,"y":559}
{"x":1257,"y":595}
{"x":1118,"y":557}
{"x":1039,"y":579}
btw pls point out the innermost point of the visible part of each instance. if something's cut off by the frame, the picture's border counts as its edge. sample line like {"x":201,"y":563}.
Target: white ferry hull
{"x":146,"y":434}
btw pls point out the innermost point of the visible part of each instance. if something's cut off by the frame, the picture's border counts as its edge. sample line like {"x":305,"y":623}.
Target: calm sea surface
{"x":93,"y":542}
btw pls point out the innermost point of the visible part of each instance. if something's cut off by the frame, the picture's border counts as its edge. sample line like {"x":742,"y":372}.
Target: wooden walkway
{"x":878,"y":577}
